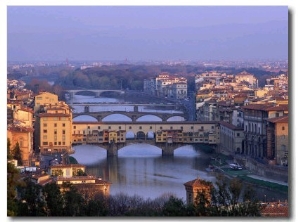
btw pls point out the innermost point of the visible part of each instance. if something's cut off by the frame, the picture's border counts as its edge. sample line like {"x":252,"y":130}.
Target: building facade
{"x":53,"y":122}
{"x":278,"y":139}
{"x":255,"y":128}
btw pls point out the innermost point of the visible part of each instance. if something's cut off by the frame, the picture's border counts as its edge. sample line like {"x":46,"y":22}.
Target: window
{"x":238,"y":134}
{"x":140,"y":127}
{"x":63,"y":132}
{"x":74,"y":127}
{"x":45,"y":137}
{"x":55,"y":132}
{"x":63,"y":143}
{"x":99,"y":127}
{"x":171,"y":127}
{"x":44,"y":131}
{"x":59,"y":143}
{"x":283,"y":128}
{"x":109,"y":127}
{"x":120,"y":127}
{"x":212,"y":127}
{"x":88,"y":127}
{"x":160,"y":127}
{"x":181,"y":127}
{"x":192,"y":127}
{"x":45,"y":125}
{"x":55,"y":143}
{"x":63,"y":124}
{"x":45,"y":143}
{"x":55,"y":124}
{"x":129,"y":127}
{"x":150,"y":127}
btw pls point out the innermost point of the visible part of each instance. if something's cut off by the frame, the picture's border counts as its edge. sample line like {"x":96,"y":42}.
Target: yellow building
{"x":278,"y":138}
{"x":44,"y":98}
{"x":66,"y":170}
{"x":20,"y":129}
{"x":261,"y":93}
{"x":23,"y":136}
{"x":53,"y":124}
{"x":55,"y":127}
{"x":88,"y":186}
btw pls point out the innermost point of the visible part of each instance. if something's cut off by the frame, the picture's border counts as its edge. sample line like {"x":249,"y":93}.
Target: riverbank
{"x":222,"y":163}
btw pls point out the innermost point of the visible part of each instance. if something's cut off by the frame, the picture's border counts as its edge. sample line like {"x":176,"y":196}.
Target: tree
{"x":202,"y":205}
{"x":13,"y":180}
{"x":74,"y":203}
{"x":174,"y":207}
{"x":54,"y":200}
{"x":17,"y":155}
{"x":229,"y":200}
{"x":9,"y":156}
{"x":31,"y":200}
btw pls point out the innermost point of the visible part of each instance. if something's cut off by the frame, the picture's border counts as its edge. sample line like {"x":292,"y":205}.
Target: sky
{"x":146,"y":33}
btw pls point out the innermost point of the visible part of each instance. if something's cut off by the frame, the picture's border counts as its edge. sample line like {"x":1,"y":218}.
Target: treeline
{"x":49,"y":200}
{"x":129,"y":77}
{"x":122,"y":76}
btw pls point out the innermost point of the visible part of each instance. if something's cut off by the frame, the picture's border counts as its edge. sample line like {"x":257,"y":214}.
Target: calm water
{"x":140,"y":169}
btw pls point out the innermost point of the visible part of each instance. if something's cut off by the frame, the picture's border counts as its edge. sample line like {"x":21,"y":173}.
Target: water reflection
{"x":140,"y":169}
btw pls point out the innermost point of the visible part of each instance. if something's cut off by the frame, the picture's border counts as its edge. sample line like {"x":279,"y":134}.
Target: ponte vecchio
{"x":168,"y":136}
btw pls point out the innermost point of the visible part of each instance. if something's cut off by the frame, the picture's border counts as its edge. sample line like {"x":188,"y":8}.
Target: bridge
{"x":99,"y":116}
{"x":168,"y":136}
{"x":97,"y":92}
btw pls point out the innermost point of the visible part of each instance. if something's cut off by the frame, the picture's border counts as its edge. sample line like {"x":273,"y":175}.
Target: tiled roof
{"x":275,"y":210}
{"x":197,"y":182}
{"x":230,"y":126}
{"x":266,"y":107}
{"x":67,"y":165}
{"x":18,"y":128}
{"x":53,"y":114}
{"x":281,"y":119}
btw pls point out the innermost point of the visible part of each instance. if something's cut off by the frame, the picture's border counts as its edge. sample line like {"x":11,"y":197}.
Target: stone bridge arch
{"x":97,"y":92}
{"x":134,"y":116}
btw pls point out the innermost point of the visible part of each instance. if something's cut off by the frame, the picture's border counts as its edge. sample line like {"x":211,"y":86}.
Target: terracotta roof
{"x":275,"y":210}
{"x":280,"y":107}
{"x":67,"y":165}
{"x":266,"y":107}
{"x":281,"y":119}
{"x":197,"y":182}
{"x":27,"y":109}
{"x":18,"y":128}
{"x":53,"y":114}
{"x":230,"y":126}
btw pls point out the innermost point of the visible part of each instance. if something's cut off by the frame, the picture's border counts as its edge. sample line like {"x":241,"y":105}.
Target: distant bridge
{"x":97,"y":92}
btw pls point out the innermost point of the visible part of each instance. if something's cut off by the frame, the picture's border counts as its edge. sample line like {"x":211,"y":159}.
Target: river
{"x":140,"y":169}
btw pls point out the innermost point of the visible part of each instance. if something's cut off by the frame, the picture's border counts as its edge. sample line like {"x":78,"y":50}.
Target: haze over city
{"x":146,"y":33}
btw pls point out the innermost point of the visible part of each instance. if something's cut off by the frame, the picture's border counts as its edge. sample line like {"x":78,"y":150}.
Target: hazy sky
{"x":146,"y":32}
